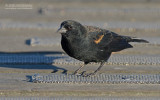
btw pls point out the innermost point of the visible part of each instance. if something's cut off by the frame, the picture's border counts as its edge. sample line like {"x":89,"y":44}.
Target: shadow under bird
{"x":92,"y":44}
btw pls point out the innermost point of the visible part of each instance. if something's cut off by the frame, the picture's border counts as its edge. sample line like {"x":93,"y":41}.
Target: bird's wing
{"x":113,"y":42}
{"x":103,"y":38}
{"x":108,"y":40}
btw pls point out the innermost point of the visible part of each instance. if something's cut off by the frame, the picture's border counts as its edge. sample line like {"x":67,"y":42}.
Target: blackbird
{"x":92,"y":44}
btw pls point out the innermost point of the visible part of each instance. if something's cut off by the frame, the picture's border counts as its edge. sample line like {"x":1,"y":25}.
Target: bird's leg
{"x":102,"y":63}
{"x":78,"y":69}
{"x":91,"y":74}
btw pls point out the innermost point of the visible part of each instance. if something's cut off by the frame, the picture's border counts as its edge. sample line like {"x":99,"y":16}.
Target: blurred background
{"x":21,"y":20}
{"x":28,"y":33}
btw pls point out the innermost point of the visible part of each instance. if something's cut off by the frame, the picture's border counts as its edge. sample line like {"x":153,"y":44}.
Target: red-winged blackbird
{"x":92,"y":44}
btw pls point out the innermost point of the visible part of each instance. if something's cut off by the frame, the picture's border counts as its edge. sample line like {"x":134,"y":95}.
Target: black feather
{"x":92,"y":44}
{"x":139,"y":40}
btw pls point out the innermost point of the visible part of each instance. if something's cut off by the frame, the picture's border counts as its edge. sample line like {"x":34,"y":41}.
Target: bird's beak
{"x":61,"y":30}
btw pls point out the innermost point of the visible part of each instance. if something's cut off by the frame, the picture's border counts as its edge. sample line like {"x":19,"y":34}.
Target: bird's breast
{"x":83,"y":50}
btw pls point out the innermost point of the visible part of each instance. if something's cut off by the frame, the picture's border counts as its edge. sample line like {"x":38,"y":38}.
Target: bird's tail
{"x":134,"y":39}
{"x":138,"y":40}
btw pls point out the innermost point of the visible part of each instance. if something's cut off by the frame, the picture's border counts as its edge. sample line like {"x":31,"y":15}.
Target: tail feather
{"x":134,"y":39}
{"x":139,"y":40}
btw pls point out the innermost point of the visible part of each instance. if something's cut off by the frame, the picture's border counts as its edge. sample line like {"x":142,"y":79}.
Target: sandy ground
{"x":13,"y":80}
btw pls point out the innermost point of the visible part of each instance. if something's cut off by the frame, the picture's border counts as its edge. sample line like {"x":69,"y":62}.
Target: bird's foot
{"x":76,"y":73}
{"x":88,"y":75}
{"x":84,"y":74}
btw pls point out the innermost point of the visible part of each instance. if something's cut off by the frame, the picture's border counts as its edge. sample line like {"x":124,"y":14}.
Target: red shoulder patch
{"x":100,"y":37}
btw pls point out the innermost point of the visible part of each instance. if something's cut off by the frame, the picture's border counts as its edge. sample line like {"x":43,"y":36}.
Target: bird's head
{"x":70,"y":28}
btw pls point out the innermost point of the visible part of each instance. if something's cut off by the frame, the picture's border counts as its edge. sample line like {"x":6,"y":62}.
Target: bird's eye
{"x":69,"y":27}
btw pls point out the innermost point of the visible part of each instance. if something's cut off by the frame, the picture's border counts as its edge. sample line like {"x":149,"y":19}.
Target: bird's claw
{"x":88,"y":75}
{"x":79,"y":74}
{"x":76,"y":73}
{"x":84,"y":74}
